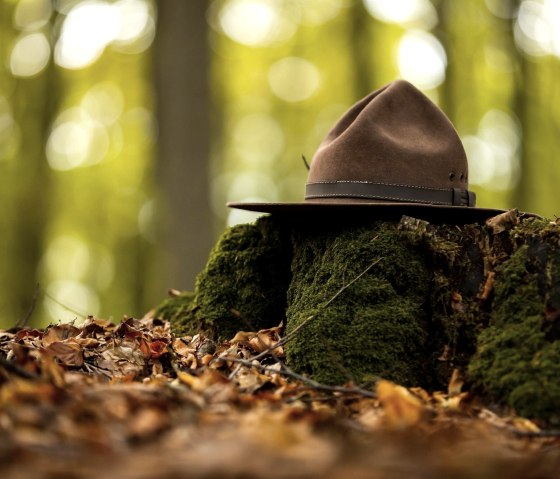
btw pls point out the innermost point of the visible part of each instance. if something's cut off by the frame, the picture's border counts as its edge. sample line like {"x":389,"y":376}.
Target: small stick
{"x":66,"y":307}
{"x":22,"y":322}
{"x":310,"y":382}
{"x":541,"y":433}
{"x":305,"y":162}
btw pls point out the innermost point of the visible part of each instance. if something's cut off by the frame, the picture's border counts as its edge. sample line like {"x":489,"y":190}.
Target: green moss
{"x":175,"y":309}
{"x":417,"y":314}
{"x":375,"y":327}
{"x":518,"y":356}
{"x":244,"y":284}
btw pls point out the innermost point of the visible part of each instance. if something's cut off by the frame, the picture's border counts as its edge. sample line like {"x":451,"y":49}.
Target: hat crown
{"x":394,"y":136}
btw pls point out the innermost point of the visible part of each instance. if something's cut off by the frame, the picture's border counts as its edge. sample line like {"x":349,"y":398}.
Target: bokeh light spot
{"x":90,"y":26}
{"x":76,"y":140}
{"x":537,"y":29}
{"x":137,"y":26}
{"x":317,"y":12}
{"x":294,"y":79}
{"x":258,"y":140}
{"x":255,"y":22}
{"x":104,"y":102}
{"x":65,"y":300}
{"x":417,"y":13}
{"x":30,"y":55}
{"x":422,"y":59}
{"x":252,"y":184}
{"x":32,"y":14}
{"x":67,"y":257}
{"x":494,"y":152}
{"x":135,"y":17}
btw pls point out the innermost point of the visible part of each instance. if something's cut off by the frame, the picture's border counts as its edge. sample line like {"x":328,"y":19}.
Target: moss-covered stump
{"x":404,"y":300}
{"x":243,"y":286}
{"x":378,"y":325}
{"x":518,"y":356}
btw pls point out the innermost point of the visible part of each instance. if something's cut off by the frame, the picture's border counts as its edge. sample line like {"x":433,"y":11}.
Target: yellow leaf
{"x":401,"y":408}
{"x":455,"y":383}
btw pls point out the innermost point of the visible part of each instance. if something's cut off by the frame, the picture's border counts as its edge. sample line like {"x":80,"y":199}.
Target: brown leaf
{"x":27,"y":333}
{"x":67,"y":353}
{"x":181,"y":348}
{"x":144,"y":347}
{"x":58,"y":333}
{"x":157,"y":349}
{"x":455,"y":383}
{"x":243,"y":337}
{"x":260,"y":341}
{"x":401,"y":407}
{"x":53,"y":371}
{"x":503,"y":222}
{"x":488,"y":286}
{"x":457,"y":302}
{"x":147,"y":422}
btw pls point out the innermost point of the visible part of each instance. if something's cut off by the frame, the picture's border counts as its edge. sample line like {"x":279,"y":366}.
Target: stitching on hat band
{"x":392,"y":192}
{"x":377,"y":183}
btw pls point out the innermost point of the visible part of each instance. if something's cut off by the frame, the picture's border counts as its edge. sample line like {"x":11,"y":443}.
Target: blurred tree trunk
{"x":444,"y":33}
{"x":183,"y":103}
{"x":362,"y":45}
{"x":25,"y":178}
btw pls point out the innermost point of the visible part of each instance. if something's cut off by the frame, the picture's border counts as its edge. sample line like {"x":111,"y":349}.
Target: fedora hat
{"x":392,"y":153}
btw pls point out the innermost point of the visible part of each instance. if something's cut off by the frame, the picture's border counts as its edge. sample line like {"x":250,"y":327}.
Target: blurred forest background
{"x":126,"y":125}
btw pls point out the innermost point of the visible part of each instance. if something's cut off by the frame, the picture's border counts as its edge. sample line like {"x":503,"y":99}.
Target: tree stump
{"x":401,"y":299}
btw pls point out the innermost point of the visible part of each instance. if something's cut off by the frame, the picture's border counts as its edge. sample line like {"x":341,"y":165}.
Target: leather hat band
{"x":390,"y":192}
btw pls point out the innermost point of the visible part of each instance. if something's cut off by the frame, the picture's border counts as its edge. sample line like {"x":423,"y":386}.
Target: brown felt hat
{"x":393,"y":153}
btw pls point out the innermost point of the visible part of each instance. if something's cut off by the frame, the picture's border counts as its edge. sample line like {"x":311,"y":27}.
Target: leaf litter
{"x":133,"y":400}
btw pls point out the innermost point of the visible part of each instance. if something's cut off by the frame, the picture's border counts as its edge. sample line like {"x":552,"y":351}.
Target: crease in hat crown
{"x":393,"y":152}
{"x":394,"y":145}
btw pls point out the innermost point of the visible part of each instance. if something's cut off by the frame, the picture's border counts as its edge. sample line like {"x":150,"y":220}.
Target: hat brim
{"x":432,"y":213}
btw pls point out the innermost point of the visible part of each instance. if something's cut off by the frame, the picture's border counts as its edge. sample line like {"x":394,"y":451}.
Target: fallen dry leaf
{"x":132,"y":400}
{"x":400,"y":406}
{"x":67,"y":353}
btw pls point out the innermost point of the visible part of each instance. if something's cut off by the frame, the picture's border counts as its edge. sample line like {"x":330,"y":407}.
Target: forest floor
{"x":134,"y":401}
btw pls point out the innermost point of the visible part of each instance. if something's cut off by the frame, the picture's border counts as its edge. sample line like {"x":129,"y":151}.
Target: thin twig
{"x":66,"y":307}
{"x":22,"y":322}
{"x":309,"y":382}
{"x":541,"y":433}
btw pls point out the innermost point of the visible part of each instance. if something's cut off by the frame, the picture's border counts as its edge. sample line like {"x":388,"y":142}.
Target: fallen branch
{"x":285,"y":371}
